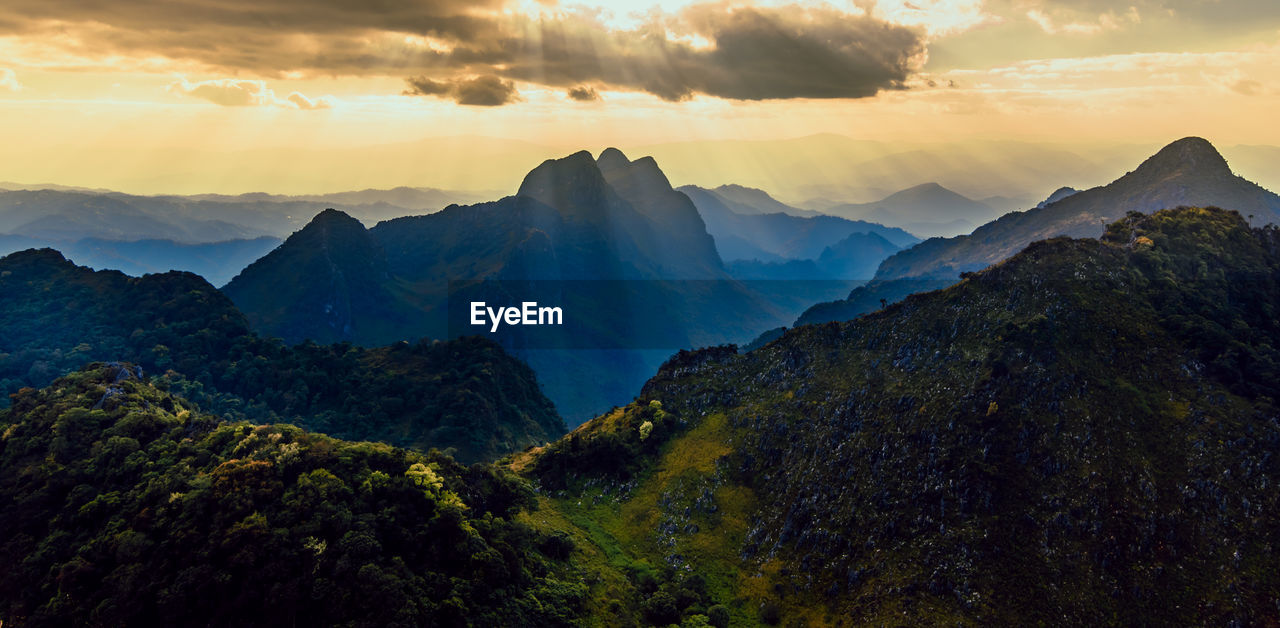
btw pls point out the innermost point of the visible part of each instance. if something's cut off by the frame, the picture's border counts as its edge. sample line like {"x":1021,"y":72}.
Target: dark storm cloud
{"x":748,"y":53}
{"x":736,"y":52}
{"x":482,"y":91}
{"x":583,"y":93}
{"x":790,"y":52}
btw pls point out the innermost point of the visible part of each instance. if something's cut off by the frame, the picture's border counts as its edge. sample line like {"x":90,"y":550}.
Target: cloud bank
{"x":476,"y":53}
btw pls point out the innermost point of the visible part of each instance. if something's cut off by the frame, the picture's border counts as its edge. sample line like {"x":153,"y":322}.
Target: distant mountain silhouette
{"x":217,"y":262}
{"x":853,"y":258}
{"x":927,"y":209}
{"x":748,"y":201}
{"x":779,"y":237}
{"x":412,"y":198}
{"x":856,"y":256}
{"x":61,"y":215}
{"x":1188,"y":172}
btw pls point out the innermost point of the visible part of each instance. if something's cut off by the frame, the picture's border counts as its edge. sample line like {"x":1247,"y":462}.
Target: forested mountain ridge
{"x":468,"y":394}
{"x":1085,"y":433}
{"x":124,"y":505}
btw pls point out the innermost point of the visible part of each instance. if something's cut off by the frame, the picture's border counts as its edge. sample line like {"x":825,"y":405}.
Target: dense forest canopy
{"x":127,"y":506}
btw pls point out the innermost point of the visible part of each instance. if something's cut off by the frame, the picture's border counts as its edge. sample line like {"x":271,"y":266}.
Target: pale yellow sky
{"x":154,"y":96}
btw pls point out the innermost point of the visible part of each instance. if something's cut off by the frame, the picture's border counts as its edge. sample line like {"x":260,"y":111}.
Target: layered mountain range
{"x":1049,"y":421}
{"x":212,"y":235}
{"x":62,"y":214}
{"x":1187,"y":172}
{"x":743,"y":234}
{"x":576,"y":218}
{"x":927,"y":209}
{"x":1085,"y":433}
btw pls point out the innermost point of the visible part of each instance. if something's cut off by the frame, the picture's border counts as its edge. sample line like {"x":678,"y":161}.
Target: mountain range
{"x":1049,"y":421}
{"x":777,"y":236}
{"x":217,"y":262}
{"x":748,"y":201}
{"x":1188,"y":171}
{"x":927,"y":209}
{"x":575,"y":218}
{"x":64,"y":214}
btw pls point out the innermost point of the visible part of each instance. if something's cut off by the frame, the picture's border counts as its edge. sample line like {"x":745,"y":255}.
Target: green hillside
{"x":124,"y":505}
{"x":1085,"y":434}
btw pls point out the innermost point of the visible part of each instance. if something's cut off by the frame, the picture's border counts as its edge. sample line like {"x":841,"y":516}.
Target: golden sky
{"x":241,"y":95}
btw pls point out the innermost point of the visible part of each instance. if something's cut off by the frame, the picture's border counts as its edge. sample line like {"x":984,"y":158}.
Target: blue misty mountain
{"x":777,"y":236}
{"x":927,"y":210}
{"x":217,"y":262}
{"x":573,"y":218}
{"x":750,"y":201}
{"x":68,"y":214}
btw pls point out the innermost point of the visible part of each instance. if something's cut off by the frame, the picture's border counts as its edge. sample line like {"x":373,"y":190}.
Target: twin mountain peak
{"x":578,"y":187}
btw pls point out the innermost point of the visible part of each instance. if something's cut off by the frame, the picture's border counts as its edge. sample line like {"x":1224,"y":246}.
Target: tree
{"x":660,"y":609}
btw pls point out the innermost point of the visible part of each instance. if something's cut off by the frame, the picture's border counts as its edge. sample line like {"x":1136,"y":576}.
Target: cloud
{"x":474,"y":52}
{"x":9,"y":80}
{"x":583,"y":93}
{"x":245,"y":93}
{"x":302,"y":102}
{"x":734,"y":52}
{"x":1107,"y":21}
{"x":482,"y":91}
{"x":227,"y":92}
